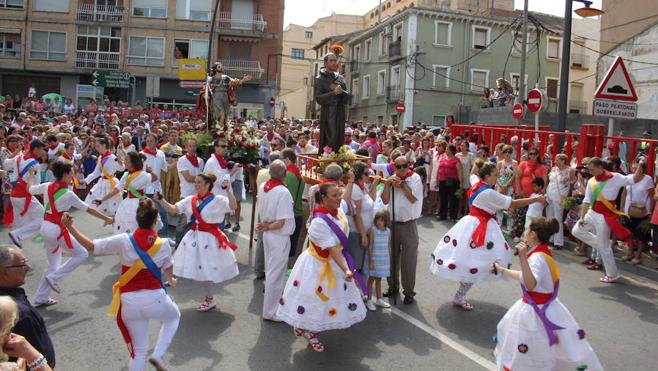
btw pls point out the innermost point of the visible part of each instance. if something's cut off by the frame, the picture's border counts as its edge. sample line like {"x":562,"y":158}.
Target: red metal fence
{"x":591,"y":141}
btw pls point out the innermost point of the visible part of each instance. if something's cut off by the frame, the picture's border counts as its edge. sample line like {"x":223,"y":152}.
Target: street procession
{"x":347,"y":184}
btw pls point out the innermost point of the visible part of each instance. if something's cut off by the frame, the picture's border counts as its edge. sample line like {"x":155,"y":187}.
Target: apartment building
{"x":434,"y":62}
{"x":58,"y":45}
{"x":585,"y":43}
{"x":298,"y":57}
{"x":390,"y":8}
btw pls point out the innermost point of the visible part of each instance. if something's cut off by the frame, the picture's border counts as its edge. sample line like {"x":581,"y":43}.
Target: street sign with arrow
{"x":111,"y":79}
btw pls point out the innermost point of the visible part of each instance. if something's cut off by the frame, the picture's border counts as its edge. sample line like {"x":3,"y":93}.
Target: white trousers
{"x":27,"y":226}
{"x":555,"y":210}
{"x":140,"y":307}
{"x":55,"y":270}
{"x":596,"y":233}
{"x":276,"y":248}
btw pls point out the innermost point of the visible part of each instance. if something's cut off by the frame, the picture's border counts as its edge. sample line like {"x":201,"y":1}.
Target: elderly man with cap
{"x":277,"y":223}
{"x":331,"y":94}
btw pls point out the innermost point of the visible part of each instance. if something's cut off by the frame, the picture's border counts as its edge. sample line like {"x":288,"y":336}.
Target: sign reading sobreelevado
{"x":192,"y":69}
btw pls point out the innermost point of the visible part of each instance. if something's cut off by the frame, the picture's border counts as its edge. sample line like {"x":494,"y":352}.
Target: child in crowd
{"x":536,"y":210}
{"x":377,"y":259}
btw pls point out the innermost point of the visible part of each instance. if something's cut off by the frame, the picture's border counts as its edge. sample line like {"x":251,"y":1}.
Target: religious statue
{"x":222,"y":89}
{"x":332,"y":95}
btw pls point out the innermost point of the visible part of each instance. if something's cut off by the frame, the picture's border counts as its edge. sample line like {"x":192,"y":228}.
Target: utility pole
{"x":524,"y":53}
{"x":564,"y":69}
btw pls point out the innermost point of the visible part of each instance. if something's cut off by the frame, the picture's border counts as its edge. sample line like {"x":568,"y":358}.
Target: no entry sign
{"x":517,"y":111}
{"x":400,"y":107}
{"x":535,"y":100}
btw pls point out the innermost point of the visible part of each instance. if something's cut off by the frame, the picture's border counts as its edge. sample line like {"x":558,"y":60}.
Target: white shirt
{"x":64,"y":203}
{"x":367,"y":209}
{"x":158,"y":164}
{"x":276,"y":204}
{"x":542,"y":273}
{"x":52,"y":153}
{"x":492,"y":201}
{"x":183,"y":164}
{"x":404,"y":209}
{"x":213,"y":213}
{"x":212,"y":166}
{"x":321,"y":234}
{"x":139,"y":183}
{"x":611,"y":188}
{"x":535,"y":209}
{"x":111,"y":167}
{"x":638,"y":194}
{"x":120,"y":244}
{"x":20,"y":167}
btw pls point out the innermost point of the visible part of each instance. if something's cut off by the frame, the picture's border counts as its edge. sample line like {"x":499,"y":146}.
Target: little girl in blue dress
{"x":377,"y":259}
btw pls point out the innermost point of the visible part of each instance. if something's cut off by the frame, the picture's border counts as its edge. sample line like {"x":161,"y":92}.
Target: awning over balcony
{"x":239,"y":39}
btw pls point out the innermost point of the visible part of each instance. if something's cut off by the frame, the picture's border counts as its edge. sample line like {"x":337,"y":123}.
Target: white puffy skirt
{"x":301,"y":307}
{"x":455,"y":258}
{"x":98,"y":191}
{"x":199,"y":257}
{"x":522,"y":342}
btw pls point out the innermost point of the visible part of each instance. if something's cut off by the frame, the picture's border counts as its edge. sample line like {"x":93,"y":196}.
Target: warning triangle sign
{"x":617,"y":84}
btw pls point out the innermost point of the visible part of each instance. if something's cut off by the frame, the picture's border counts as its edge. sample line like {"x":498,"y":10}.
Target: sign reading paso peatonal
{"x":616,"y":109}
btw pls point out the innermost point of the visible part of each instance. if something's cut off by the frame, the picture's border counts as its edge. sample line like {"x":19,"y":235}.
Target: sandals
{"x":463,"y":304}
{"x":608,"y":279}
{"x":48,"y":303}
{"x":636,"y":261}
{"x":627,"y":257}
{"x":313,"y":341}
{"x":207,"y":305}
{"x":588,"y":262}
{"x":298,"y":332}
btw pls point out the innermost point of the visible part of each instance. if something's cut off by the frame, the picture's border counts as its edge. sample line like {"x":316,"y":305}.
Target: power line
{"x":486,"y":47}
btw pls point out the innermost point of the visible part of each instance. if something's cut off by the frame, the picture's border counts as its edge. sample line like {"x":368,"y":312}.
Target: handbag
{"x":636,"y":210}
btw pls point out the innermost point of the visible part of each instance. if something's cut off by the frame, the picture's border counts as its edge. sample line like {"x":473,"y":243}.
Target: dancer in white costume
{"x":134,"y":182}
{"x":320,"y":293}
{"x":27,"y":213}
{"x":538,"y":332}
{"x":139,"y":296}
{"x":58,"y":198}
{"x":466,"y":252}
{"x":205,"y":254}
{"x":107,"y":165}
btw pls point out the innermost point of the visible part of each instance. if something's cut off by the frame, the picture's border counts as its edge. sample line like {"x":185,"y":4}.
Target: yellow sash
{"x":552,"y":266}
{"x":326,"y":272}
{"x":605,"y":202}
{"x":107,"y":175}
{"x":126,"y":277}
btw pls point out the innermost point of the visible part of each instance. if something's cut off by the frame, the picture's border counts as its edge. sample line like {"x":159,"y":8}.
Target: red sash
{"x":221,"y":161}
{"x":55,"y":216}
{"x":271,"y":183}
{"x":213,"y":229}
{"x":20,"y":189}
{"x":480,"y":232}
{"x":612,"y":220}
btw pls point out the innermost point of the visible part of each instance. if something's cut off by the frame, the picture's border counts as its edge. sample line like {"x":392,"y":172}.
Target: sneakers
{"x":158,"y":363}
{"x":382,"y":304}
{"x":372,"y":305}
{"x":236,"y":228}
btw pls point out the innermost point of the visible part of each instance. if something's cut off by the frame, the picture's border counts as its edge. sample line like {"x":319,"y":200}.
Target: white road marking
{"x":485,"y":363}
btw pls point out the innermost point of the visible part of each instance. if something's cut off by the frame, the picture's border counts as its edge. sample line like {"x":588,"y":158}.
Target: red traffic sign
{"x":400,"y":107}
{"x":190,"y":84}
{"x":535,"y":100}
{"x":617,"y":84}
{"x":272,"y":101}
{"x":517,"y":111}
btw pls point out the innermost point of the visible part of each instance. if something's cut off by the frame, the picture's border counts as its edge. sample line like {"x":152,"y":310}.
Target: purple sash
{"x":549,"y":326}
{"x":344,"y":241}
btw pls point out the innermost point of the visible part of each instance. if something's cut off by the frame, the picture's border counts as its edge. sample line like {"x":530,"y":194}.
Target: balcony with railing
{"x":93,"y":60}
{"x":393,"y":94}
{"x":100,"y":13}
{"x":580,"y":61}
{"x":241,"y":25}
{"x":237,"y":68}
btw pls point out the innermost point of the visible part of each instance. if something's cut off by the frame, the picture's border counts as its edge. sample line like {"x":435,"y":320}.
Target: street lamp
{"x":587,"y":11}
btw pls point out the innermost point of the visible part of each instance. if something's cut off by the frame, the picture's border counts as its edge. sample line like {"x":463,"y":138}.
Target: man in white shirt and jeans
{"x":405,"y":207}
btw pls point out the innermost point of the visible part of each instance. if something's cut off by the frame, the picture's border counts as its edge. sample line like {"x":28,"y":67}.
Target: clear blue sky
{"x":305,"y":12}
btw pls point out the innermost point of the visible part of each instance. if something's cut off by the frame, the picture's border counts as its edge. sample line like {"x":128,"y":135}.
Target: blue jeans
{"x":164,"y":217}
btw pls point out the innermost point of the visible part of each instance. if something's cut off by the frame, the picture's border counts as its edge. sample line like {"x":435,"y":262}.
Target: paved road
{"x":621,"y":320}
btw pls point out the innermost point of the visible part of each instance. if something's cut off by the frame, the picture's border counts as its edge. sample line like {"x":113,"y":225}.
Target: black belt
{"x":403,"y":223}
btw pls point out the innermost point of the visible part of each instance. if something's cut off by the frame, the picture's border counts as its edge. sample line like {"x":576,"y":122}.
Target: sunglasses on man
{"x":401,"y":166}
